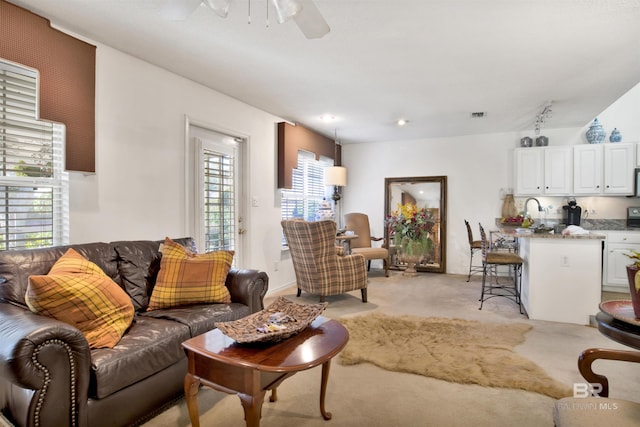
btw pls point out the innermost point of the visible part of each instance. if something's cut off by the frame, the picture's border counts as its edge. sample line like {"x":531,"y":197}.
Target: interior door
{"x":218,"y":193}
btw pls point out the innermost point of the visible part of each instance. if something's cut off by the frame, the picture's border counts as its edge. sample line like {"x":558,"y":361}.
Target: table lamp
{"x":336,"y":176}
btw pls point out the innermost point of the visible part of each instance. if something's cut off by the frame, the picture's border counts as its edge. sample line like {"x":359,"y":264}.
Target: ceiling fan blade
{"x":310,"y":20}
{"x":178,"y":10}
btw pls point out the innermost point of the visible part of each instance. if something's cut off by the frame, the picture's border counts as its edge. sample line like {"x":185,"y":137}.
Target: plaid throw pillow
{"x":76,"y":291}
{"x":186,"y":278}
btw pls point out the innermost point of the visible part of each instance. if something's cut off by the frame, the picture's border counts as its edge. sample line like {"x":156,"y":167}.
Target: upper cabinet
{"x":618,"y":168}
{"x":529,"y":171}
{"x":587,"y":169}
{"x":601,"y":169}
{"x":543,"y":170}
{"x":590,"y":169}
{"x":558,"y":171}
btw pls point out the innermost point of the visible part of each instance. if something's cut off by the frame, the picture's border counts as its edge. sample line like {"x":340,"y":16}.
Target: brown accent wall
{"x":67,"y":69}
{"x":292,"y":139}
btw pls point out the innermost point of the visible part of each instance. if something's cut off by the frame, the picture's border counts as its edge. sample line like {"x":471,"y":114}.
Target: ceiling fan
{"x":304,"y":12}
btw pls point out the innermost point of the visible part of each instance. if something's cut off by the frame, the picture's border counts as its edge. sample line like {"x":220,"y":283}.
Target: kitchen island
{"x":561,"y":276}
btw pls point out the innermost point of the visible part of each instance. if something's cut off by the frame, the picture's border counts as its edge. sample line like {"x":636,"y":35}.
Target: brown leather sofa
{"x":50,"y":377}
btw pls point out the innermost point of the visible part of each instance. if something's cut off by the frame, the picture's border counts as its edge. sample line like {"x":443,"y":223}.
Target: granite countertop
{"x":517,"y":232}
{"x":589,"y":224}
{"x":607,"y":225}
{"x":590,"y":236}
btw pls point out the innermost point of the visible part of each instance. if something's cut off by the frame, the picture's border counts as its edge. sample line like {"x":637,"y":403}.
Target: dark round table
{"x":620,"y":331}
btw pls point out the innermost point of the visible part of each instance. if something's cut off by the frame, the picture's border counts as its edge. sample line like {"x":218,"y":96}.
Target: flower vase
{"x":411,"y":255}
{"x":634,"y":288}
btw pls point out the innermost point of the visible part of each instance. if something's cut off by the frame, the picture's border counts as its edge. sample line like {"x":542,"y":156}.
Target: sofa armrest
{"x":44,"y":369}
{"x":590,"y":355}
{"x":248,"y":287}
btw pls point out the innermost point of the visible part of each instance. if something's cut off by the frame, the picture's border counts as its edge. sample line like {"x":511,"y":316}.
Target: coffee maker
{"x":571,"y":213}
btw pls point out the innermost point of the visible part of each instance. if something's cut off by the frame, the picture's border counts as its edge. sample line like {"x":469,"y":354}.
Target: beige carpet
{"x":365,"y":395}
{"x":458,"y":350}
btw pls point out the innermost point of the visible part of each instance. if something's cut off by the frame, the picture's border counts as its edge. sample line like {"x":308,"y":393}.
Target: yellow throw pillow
{"x":186,"y":278}
{"x":76,"y":291}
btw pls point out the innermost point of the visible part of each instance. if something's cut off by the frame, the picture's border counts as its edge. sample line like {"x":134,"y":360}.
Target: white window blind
{"x":219,"y":202}
{"x":33,"y":185}
{"x":308,"y":190}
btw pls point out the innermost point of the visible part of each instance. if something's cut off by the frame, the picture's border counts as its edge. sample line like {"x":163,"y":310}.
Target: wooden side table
{"x":346,"y":240}
{"x":249,"y":371}
{"x":619,"y":331}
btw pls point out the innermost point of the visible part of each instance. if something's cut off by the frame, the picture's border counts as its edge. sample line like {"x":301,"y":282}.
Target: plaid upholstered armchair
{"x":319,"y":268}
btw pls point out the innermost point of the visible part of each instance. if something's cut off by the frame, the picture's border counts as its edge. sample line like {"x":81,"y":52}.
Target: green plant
{"x":635,"y":257}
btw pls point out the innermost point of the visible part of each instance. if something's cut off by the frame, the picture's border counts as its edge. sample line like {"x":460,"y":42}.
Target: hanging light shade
{"x":335,"y":175}
{"x":220,"y":7}
{"x":286,"y":9}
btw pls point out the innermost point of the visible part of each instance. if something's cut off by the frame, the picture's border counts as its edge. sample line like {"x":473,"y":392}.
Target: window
{"x":219,"y":200}
{"x":308,"y":190}
{"x":33,"y":186}
{"x":214,"y":194}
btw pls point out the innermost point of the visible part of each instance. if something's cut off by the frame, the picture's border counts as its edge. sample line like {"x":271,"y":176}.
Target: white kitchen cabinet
{"x":603,"y":169}
{"x":543,"y":170}
{"x":587,"y":169}
{"x":558,"y":170}
{"x":529,"y":171}
{"x":619,"y":243}
{"x":561,"y":277}
{"x":618,"y":168}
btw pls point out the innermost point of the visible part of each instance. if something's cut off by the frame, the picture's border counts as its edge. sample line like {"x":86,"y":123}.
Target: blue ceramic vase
{"x":596,"y":133}
{"x":615,"y":136}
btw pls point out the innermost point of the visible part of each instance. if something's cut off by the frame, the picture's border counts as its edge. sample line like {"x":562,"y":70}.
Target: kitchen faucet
{"x":524,"y":212}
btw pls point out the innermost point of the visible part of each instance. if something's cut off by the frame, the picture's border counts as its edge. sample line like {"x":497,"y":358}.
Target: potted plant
{"x":634,"y":280}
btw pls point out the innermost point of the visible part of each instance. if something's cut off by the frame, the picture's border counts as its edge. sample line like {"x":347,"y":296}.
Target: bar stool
{"x":490,"y":261}
{"x":474,"y":246}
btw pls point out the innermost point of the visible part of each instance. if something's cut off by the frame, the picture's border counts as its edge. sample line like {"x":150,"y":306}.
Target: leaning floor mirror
{"x":414,"y":194}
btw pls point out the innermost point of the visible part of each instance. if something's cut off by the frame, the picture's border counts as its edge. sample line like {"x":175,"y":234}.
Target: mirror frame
{"x":440,"y":267}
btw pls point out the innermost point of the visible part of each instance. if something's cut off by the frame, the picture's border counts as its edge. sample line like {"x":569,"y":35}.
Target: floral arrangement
{"x":410,"y":227}
{"x":635,"y":257}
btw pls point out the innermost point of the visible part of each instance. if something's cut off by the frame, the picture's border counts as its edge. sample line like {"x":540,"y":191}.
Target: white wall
{"x":139,"y":186}
{"x":138,"y":189}
{"x":477,"y":167}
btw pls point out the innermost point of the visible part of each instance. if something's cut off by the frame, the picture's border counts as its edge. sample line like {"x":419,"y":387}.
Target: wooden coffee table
{"x":249,"y":370}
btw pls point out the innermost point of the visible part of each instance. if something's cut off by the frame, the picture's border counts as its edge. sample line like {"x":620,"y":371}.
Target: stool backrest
{"x":469,"y":232}
{"x":485,"y":243}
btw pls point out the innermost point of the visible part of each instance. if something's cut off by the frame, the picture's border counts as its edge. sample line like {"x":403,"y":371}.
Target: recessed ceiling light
{"x":402,"y":122}
{"x":328,"y":118}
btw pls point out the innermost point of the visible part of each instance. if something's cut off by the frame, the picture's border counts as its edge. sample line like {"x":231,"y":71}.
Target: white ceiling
{"x":432,"y":62}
